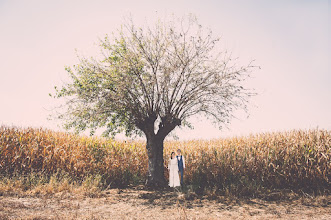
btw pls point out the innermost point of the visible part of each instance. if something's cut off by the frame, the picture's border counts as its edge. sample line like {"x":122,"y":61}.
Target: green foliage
{"x":90,"y":95}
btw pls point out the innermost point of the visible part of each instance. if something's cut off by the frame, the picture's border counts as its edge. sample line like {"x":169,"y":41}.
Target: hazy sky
{"x":288,"y":39}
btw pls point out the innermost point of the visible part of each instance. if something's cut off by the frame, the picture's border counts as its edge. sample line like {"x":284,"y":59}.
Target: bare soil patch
{"x":138,"y":203}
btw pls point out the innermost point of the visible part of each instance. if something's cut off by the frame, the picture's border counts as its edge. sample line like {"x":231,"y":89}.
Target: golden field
{"x":297,"y":160}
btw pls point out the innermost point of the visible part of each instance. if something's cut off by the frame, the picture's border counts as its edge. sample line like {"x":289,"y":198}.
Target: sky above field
{"x":289,"y":40}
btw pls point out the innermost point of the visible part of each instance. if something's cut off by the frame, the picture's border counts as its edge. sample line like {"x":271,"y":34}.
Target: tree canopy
{"x":154,"y":78}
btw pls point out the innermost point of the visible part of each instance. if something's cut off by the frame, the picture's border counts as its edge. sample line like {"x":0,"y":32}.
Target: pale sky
{"x":288,"y":39}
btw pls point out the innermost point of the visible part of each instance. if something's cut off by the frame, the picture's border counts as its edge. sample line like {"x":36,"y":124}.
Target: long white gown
{"x":173,"y":173}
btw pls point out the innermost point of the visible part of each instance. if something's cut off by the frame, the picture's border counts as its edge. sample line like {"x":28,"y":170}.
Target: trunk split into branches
{"x":154,"y":145}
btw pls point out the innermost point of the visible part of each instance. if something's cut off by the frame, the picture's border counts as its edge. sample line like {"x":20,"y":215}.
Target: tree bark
{"x":155,"y":177}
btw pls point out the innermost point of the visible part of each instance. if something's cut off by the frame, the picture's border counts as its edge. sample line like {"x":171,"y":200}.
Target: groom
{"x":181,"y":165}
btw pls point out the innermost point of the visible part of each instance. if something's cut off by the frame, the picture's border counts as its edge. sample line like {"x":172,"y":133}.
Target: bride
{"x":173,"y":171}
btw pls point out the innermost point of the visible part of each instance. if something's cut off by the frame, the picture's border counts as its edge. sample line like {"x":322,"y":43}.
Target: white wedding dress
{"x":173,"y":173}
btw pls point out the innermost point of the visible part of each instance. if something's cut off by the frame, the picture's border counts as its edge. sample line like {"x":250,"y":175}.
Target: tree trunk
{"x":155,"y":176}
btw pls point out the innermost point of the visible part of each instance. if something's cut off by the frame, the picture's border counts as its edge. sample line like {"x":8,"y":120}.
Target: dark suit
{"x":181,"y":168}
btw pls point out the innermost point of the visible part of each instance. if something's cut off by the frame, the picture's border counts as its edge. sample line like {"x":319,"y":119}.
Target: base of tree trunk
{"x":156,"y":184}
{"x":155,"y":174}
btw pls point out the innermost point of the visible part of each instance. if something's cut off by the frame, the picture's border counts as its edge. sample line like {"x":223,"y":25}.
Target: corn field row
{"x":296,"y":160}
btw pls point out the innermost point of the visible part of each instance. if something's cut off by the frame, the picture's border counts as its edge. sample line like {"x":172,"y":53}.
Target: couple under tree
{"x":176,"y":164}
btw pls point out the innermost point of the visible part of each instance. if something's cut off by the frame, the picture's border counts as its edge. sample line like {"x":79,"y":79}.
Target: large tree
{"x":151,"y":79}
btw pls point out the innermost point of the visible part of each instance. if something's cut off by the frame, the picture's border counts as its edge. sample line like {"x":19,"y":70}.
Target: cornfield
{"x":294,"y":160}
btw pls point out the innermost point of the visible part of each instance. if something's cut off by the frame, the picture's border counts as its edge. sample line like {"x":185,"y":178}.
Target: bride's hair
{"x":171,"y":154}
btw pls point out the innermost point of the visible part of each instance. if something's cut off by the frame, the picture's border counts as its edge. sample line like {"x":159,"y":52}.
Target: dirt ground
{"x":143,"y":204}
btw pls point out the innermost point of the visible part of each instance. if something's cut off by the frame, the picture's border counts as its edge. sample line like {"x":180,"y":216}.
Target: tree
{"x":152,"y":79}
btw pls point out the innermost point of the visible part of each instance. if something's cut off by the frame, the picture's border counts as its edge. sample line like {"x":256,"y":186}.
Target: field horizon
{"x":60,"y":175}
{"x":277,"y":160}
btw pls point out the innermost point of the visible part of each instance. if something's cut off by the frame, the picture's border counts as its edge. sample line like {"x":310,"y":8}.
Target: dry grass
{"x":20,"y":186}
{"x":54,"y":175}
{"x":137,"y":203}
{"x":39,"y":159}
